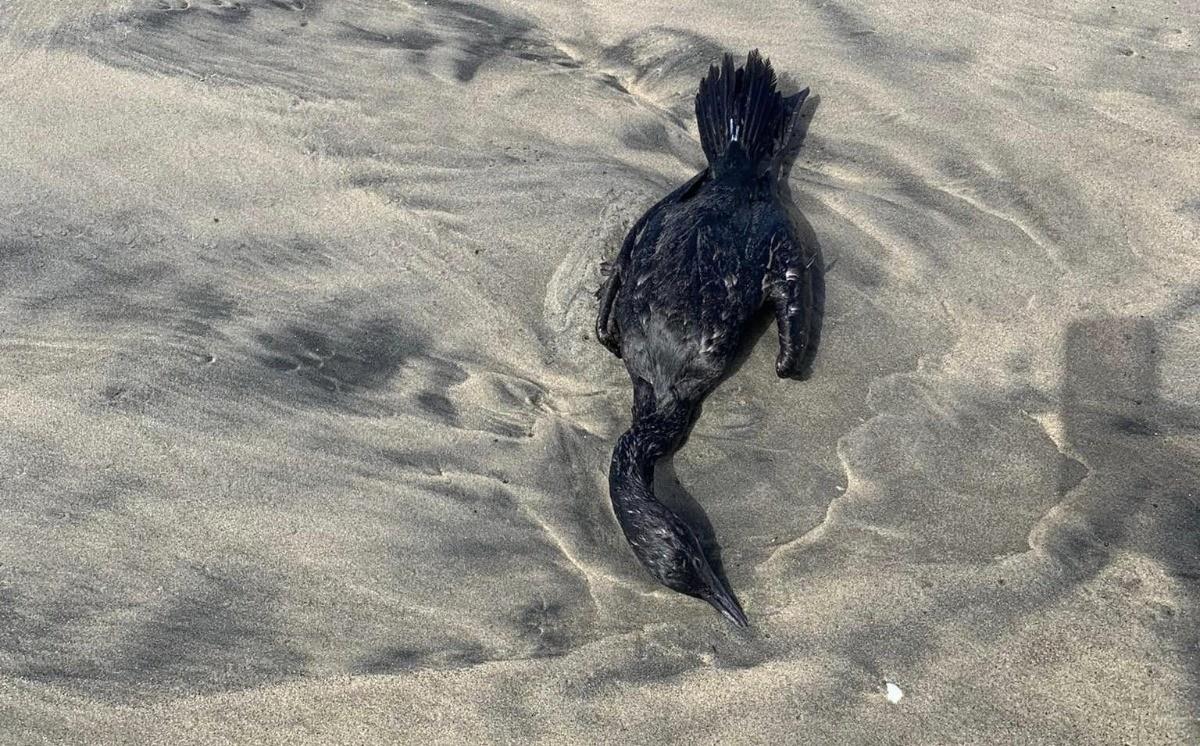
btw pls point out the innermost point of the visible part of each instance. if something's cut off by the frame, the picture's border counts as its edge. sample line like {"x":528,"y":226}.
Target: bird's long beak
{"x":728,"y":606}
{"x":723,"y":601}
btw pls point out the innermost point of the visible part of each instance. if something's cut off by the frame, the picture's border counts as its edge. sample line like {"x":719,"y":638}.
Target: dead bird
{"x":690,"y":274}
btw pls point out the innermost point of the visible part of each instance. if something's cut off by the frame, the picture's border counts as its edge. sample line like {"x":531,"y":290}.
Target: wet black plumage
{"x":691,"y":273}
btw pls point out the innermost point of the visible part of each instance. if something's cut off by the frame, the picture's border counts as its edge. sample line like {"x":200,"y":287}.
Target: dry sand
{"x":305,"y":433}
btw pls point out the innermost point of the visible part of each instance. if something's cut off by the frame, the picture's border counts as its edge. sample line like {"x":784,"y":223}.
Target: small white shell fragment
{"x":894,"y":693}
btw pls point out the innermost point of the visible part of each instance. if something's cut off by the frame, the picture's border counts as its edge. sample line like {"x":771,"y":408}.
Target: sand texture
{"x":305,"y":431}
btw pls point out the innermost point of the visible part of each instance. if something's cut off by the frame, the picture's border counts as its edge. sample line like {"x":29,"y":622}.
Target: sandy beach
{"x":306,"y":430}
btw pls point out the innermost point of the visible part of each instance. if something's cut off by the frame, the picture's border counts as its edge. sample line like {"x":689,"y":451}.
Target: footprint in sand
{"x":229,"y":6}
{"x":503,"y":405}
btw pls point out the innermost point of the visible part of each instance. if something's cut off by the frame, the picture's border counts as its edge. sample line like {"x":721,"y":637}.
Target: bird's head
{"x":670,"y":550}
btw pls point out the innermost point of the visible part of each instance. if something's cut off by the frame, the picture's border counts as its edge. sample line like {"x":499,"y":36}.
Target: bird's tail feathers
{"x":742,"y":105}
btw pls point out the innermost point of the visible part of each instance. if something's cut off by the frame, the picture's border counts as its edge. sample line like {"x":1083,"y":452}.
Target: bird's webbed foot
{"x":791,"y":293}
{"x":606,"y":327}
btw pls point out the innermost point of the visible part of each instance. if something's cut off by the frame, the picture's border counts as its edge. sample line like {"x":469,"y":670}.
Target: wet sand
{"x":307,"y":433}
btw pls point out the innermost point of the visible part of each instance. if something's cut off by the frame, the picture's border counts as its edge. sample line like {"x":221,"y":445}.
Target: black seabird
{"x":690,"y":274}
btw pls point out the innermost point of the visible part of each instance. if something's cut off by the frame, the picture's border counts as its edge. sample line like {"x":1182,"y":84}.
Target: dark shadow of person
{"x":1140,"y":496}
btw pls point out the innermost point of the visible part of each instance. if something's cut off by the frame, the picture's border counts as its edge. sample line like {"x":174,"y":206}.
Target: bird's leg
{"x":606,"y":330}
{"x":791,"y":292}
